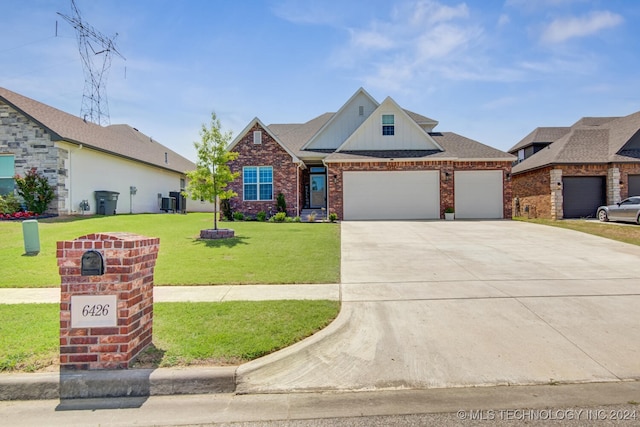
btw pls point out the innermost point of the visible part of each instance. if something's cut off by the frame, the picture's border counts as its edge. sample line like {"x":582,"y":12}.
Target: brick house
{"x":567,"y":172}
{"x":79,"y":158}
{"x":369,"y":160}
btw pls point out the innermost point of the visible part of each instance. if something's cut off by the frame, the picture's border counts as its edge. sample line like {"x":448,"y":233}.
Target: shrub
{"x":448,"y":210}
{"x":333,"y":217}
{"x":280,"y":217}
{"x":225,"y":207}
{"x":261,"y":216}
{"x":34,"y":188}
{"x":9,"y":204}
{"x":281,"y":204}
{"x":312,"y":217}
{"x":238,"y":216}
{"x":296,"y":219}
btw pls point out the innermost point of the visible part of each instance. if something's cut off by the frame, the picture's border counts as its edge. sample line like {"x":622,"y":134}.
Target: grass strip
{"x":185,"y":333}
{"x":627,"y":233}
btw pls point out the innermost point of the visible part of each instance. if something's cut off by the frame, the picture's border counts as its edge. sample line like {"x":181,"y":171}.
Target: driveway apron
{"x":468,"y":303}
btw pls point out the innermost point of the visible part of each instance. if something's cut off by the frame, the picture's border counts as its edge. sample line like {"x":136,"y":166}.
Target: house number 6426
{"x":95,"y":310}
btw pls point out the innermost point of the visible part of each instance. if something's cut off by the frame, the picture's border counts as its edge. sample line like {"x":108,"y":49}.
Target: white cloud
{"x":443,"y":40}
{"x":415,"y":34}
{"x":561,"y":30}
{"x":503,"y":20}
{"x":429,"y":12}
{"x":371,"y":39}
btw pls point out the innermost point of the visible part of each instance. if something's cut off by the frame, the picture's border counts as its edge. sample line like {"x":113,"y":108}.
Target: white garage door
{"x":391,"y":195}
{"x":478,"y":194}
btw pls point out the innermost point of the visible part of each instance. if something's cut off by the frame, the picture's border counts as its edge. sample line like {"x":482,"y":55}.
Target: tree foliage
{"x":35,"y":190}
{"x":212,"y":175}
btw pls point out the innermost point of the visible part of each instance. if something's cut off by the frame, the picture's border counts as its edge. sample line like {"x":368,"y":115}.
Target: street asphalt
{"x":440,"y":305}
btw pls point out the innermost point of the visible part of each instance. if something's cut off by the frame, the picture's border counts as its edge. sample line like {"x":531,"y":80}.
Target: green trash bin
{"x":31,"y":237}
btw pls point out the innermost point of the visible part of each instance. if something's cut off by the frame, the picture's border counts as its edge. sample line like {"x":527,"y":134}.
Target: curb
{"x":126,"y":383}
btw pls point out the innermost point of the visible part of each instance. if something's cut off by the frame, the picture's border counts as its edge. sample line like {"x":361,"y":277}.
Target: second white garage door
{"x":391,"y":195}
{"x":478,"y":194}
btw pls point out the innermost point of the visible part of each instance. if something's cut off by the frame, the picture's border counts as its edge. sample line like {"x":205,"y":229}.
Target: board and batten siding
{"x":344,"y":123}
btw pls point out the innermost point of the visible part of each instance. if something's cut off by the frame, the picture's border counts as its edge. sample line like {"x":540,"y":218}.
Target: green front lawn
{"x":184,"y":333}
{"x":260,"y":253}
{"x":627,"y":233}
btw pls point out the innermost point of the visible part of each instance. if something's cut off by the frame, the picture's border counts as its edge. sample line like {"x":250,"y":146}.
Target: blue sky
{"x":491,"y":70}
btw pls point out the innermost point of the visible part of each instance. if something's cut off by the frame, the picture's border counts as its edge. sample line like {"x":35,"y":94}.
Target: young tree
{"x":212,"y":174}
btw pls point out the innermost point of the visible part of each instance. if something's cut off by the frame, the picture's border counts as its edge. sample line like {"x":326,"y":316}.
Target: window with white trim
{"x":388,"y":124}
{"x":257,"y":182}
{"x":7,"y":172}
{"x":257,"y":137}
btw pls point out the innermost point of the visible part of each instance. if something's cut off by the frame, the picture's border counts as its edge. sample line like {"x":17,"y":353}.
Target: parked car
{"x":627,"y":210}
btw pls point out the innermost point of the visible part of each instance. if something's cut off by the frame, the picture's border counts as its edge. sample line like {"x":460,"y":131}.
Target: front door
{"x":318,"y":191}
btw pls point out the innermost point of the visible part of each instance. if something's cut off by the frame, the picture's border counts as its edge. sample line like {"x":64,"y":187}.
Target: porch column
{"x":556,"y":194}
{"x":613,"y":186}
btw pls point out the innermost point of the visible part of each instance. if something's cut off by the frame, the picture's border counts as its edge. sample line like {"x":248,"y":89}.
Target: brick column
{"x":127,"y":279}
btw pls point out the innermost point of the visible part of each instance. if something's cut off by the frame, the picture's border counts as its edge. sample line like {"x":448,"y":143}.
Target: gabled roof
{"x":420,"y":141}
{"x":591,"y":140}
{"x":120,"y":140}
{"x":352,"y":125}
{"x":542,"y":135}
{"x":275,"y":137}
{"x":298,"y":137}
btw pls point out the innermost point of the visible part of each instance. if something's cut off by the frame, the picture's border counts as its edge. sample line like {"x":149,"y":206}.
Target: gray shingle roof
{"x":541,"y":134}
{"x":591,"y":140}
{"x":120,"y":140}
{"x":294,"y":136}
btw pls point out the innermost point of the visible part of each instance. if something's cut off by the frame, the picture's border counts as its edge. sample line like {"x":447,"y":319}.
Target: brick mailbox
{"x":106,"y":303}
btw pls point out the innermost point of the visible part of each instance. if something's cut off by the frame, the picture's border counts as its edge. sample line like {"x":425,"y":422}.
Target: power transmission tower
{"x":94,"y":47}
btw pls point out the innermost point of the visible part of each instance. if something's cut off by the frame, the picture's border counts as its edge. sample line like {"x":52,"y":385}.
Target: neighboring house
{"x":79,"y":158}
{"x":567,"y":172}
{"x":369,"y":160}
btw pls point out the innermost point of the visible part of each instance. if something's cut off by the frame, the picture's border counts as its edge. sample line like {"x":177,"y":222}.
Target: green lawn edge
{"x":626,"y":233}
{"x":185,"y":333}
{"x":260,"y":252}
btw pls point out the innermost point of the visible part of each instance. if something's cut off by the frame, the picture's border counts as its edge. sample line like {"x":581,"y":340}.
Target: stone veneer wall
{"x":129,"y":264}
{"x":539,"y":189}
{"x":268,"y":153}
{"x":447,"y":186}
{"x":33,"y":148}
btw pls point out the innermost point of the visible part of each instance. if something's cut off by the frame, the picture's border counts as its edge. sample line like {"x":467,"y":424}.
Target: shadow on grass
{"x":149,"y":358}
{"x":222,"y":243}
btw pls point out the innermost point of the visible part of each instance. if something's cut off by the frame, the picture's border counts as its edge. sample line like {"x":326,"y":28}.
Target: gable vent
{"x":257,"y":137}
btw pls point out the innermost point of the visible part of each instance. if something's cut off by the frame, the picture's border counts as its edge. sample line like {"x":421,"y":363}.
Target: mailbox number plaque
{"x":88,"y":311}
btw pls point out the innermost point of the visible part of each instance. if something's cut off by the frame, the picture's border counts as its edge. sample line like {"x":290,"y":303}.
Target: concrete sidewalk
{"x":193,"y":293}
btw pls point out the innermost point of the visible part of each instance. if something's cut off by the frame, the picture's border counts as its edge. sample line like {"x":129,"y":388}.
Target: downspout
{"x":298,"y":190}
{"x":70,"y":193}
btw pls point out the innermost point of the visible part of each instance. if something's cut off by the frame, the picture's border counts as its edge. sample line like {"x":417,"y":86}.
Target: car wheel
{"x":602,"y":215}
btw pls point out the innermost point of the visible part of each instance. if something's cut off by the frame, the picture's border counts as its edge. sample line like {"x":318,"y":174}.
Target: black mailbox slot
{"x":92,"y":264}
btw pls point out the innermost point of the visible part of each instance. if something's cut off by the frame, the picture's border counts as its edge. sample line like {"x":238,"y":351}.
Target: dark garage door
{"x":582,"y":195}
{"x":634,"y":185}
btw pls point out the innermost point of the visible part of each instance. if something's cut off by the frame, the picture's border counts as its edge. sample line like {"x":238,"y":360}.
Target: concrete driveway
{"x":468,"y":303}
